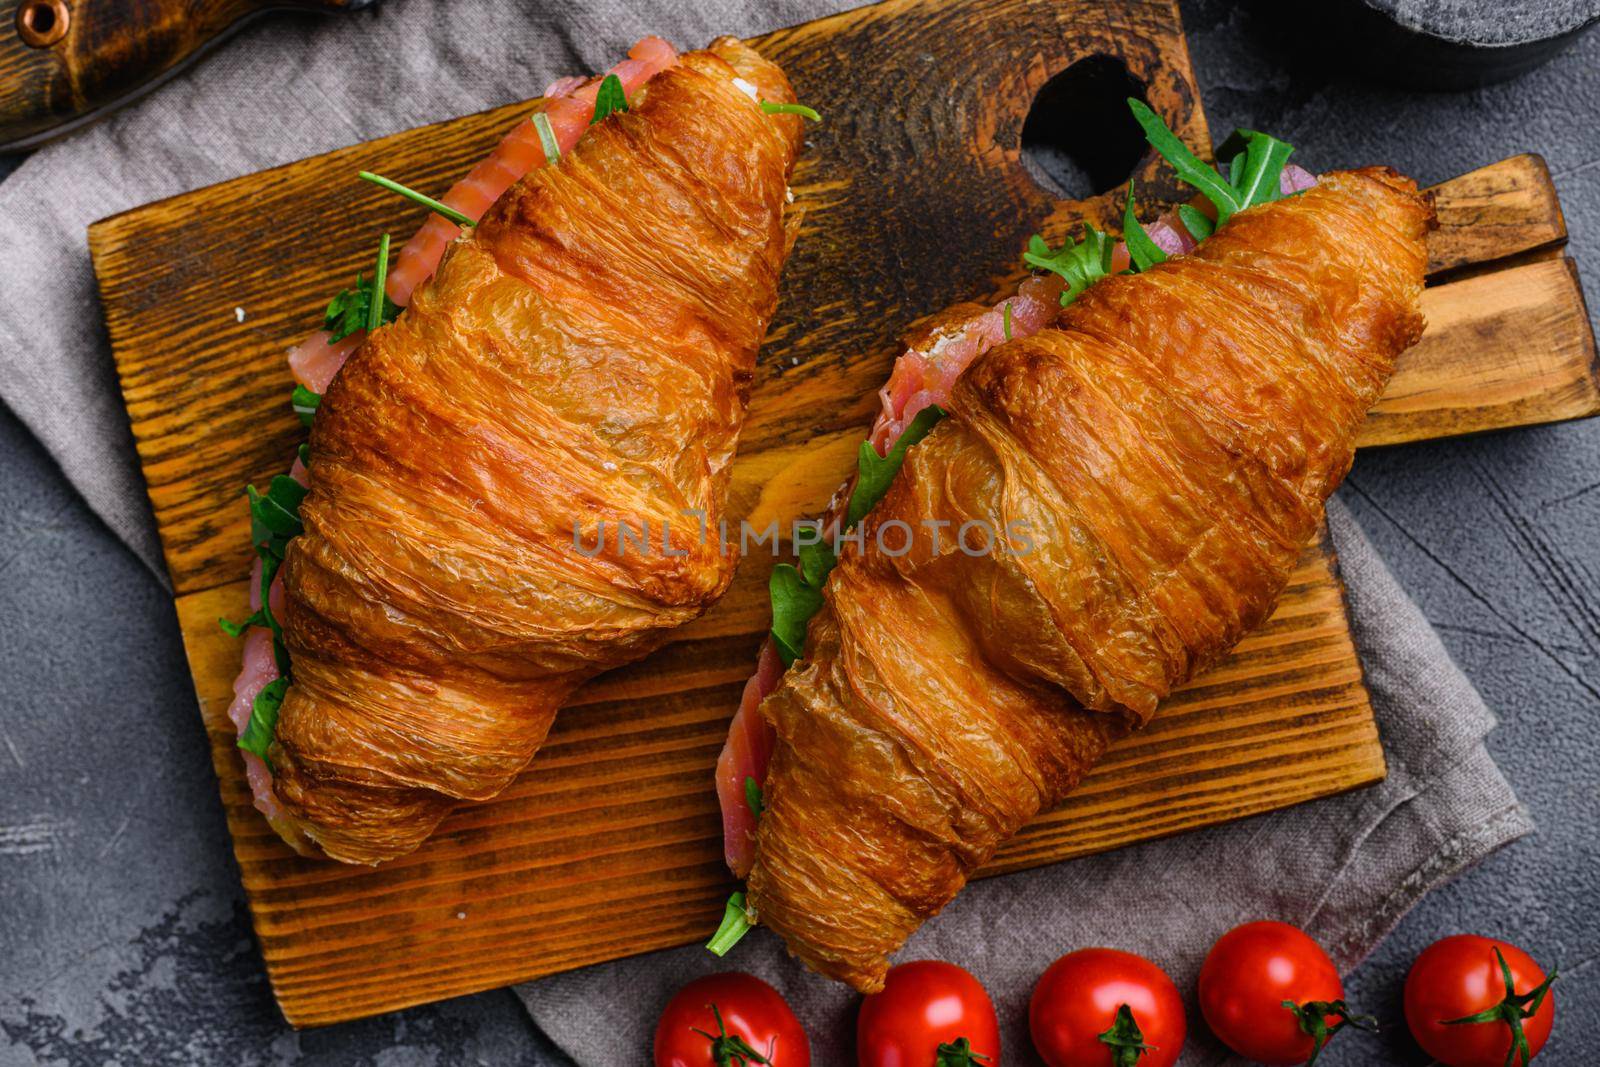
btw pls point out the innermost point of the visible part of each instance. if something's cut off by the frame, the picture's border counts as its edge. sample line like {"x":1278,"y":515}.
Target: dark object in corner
{"x":1459,"y":44}
{"x":64,"y":63}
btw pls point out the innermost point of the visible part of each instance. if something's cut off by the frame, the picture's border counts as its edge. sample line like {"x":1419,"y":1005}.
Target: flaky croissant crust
{"x":584,"y":355}
{"x":1168,"y":448}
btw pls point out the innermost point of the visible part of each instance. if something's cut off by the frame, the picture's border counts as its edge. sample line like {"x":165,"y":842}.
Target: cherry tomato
{"x":1248,"y":975}
{"x":1467,"y":976}
{"x":929,"y":1014}
{"x":1100,"y":1007}
{"x":730,"y":1020}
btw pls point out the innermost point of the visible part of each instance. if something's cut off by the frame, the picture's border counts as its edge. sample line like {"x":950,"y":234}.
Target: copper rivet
{"x":41,"y":23}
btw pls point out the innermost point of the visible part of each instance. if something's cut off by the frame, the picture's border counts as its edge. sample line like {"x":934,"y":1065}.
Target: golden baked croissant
{"x":1167,"y":446}
{"x":582,"y":356}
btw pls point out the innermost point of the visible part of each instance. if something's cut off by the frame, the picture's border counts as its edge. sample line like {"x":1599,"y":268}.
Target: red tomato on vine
{"x":1271,"y":994}
{"x":1100,"y":1007}
{"x":929,"y":1014}
{"x":730,"y":1020}
{"x":1475,"y":1002}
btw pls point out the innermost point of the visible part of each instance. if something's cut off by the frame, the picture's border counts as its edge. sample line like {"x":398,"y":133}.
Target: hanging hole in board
{"x":41,"y":23}
{"x":1079,"y":139}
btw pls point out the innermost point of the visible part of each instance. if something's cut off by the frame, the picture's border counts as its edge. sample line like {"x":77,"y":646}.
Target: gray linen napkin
{"x":1346,"y":868}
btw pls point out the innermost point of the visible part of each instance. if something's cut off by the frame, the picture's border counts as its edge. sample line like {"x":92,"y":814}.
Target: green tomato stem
{"x":1511,"y":1011}
{"x":958,"y":1053}
{"x":1125,"y":1039}
{"x":1313,"y":1019}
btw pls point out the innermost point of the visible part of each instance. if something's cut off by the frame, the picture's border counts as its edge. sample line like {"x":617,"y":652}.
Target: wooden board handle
{"x":1504,"y":211}
{"x":63,"y":62}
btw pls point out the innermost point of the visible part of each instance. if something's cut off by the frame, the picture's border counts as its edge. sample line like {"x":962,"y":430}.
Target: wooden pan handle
{"x":63,"y":62}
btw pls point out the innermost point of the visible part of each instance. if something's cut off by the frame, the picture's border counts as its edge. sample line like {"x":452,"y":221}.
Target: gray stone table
{"x":123,"y":933}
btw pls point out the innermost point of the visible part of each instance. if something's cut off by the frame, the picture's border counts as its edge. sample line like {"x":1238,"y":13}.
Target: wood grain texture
{"x":1508,"y":348}
{"x":618,"y":808}
{"x":110,"y":50}
{"x":1496,"y":212}
{"x":915,"y":197}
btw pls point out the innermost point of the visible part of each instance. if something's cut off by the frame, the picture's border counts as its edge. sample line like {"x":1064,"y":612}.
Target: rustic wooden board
{"x":611,"y":844}
{"x":915,"y":198}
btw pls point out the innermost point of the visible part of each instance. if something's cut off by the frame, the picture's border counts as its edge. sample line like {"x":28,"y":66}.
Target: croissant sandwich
{"x":1123,"y":485}
{"x":581,"y":321}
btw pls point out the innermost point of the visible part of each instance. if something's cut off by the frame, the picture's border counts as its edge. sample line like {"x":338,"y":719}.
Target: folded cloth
{"x":1345,"y":869}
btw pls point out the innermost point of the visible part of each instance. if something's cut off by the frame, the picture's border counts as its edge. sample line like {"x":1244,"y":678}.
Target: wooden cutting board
{"x":915,"y":197}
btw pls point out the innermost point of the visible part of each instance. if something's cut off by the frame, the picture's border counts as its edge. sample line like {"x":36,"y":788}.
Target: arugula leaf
{"x":380,"y":280}
{"x":1189,"y":167}
{"x":736,"y":922}
{"x":275,"y":513}
{"x":411,"y":194}
{"x":793,"y":604}
{"x":270,"y":553}
{"x":274,"y":519}
{"x":238,"y":629}
{"x":753,"y":797}
{"x":352,"y":308}
{"x":610,"y":99}
{"x":817,"y":561}
{"x":1081,"y":264}
{"x":1144,"y":252}
{"x":1257,"y":166}
{"x":547,"y":138}
{"x":259,"y":731}
{"x":796,"y":595}
{"x":1195,"y":221}
{"x":270,"y":562}
{"x":790,"y":109}
{"x":305,"y":403}
{"x":287,"y":493}
{"x":875,"y":472}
